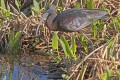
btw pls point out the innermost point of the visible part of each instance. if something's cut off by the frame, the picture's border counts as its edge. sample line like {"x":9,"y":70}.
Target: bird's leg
{"x":90,"y":41}
{"x":87,"y":38}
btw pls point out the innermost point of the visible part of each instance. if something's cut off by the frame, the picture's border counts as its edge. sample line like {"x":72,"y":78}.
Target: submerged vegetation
{"x":82,"y":59}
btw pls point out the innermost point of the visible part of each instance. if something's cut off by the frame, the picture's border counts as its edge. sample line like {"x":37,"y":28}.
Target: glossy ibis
{"x":72,"y":20}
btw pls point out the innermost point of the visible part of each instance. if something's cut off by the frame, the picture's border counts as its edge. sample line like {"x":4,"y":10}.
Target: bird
{"x":72,"y":20}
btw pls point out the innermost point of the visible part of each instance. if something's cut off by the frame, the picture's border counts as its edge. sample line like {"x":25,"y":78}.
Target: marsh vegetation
{"x":58,"y":55}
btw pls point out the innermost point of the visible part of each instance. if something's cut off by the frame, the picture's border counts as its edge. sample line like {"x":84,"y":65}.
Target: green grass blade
{"x":55,"y":41}
{"x":7,"y":13}
{"x":2,"y":4}
{"x":66,"y":48}
{"x":36,"y":5}
{"x":73,"y":44}
{"x":108,"y":73}
{"x":77,"y":5}
{"x":18,"y":4}
{"x":90,"y":4}
{"x":60,"y":4}
{"x":110,"y":43}
{"x":56,"y":58}
{"x":94,"y":30}
{"x":84,"y":42}
{"x":118,"y":73}
{"x":14,"y":43}
{"x":103,"y":76}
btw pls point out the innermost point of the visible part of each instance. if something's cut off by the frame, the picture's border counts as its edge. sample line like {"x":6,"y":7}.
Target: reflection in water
{"x":25,"y":67}
{"x":21,"y":73}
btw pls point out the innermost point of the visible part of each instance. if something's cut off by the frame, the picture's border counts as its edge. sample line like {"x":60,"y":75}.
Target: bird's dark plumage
{"x":72,"y":19}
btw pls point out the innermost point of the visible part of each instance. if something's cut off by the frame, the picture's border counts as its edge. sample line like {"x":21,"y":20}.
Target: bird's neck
{"x":50,"y":22}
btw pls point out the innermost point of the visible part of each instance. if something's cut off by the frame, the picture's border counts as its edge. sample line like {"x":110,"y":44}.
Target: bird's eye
{"x":48,"y":10}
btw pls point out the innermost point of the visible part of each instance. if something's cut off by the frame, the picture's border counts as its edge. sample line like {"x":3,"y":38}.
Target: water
{"x":21,"y":73}
{"x":25,"y":67}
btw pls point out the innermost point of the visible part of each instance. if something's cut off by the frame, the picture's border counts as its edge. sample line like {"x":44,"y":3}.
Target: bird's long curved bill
{"x":44,"y":17}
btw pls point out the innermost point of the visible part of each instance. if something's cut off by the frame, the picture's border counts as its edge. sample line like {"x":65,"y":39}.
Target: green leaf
{"x":7,"y":13}
{"x":111,"y":42}
{"x":60,"y":4}
{"x":84,"y":42}
{"x":41,"y":5}
{"x":117,"y":23}
{"x":77,"y":5}
{"x":108,"y":73}
{"x":118,"y":73}
{"x":94,"y":30}
{"x":8,"y":7}
{"x":56,"y":58}
{"x":14,"y":42}
{"x":55,"y":41}
{"x":65,"y":76}
{"x":64,"y":48}
{"x":68,"y":52}
{"x":73,"y":44}
{"x":103,"y":76}
{"x":90,"y":4}
{"x":2,"y":4}
{"x":17,"y":4}
{"x":34,"y":11}
{"x":36,"y":5}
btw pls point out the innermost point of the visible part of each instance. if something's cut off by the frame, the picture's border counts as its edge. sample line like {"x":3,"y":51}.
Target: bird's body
{"x":72,"y":20}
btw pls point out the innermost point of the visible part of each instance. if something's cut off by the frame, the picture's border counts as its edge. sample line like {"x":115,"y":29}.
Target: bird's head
{"x":51,"y":9}
{"x":51,"y":14}
{"x":48,"y":17}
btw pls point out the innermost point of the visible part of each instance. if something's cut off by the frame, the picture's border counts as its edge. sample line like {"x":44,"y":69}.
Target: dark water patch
{"x":28,"y":67}
{"x":21,"y":73}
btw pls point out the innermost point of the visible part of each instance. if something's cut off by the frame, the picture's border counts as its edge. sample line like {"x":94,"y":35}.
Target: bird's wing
{"x":76,"y":19}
